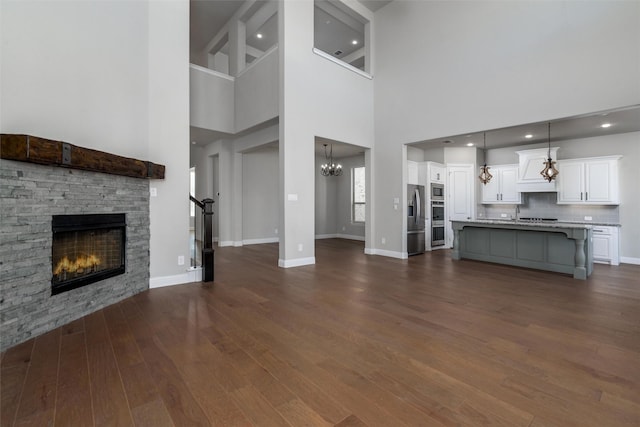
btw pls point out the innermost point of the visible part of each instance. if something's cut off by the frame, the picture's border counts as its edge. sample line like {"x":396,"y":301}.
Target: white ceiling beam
{"x":353,"y":56}
{"x":222,"y":35}
{"x":252,"y":51}
{"x":342,"y":16}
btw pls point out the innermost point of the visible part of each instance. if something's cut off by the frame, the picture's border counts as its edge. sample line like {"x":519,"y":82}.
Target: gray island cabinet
{"x":558,"y":247}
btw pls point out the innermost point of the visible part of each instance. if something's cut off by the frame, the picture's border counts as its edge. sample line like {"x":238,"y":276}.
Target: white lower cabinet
{"x":605,"y":243}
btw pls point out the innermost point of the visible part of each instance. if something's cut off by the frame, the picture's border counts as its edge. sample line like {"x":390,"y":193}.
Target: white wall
{"x":326,"y":199}
{"x":168,"y":127}
{"x":79,"y":74}
{"x":415,"y":154}
{"x":449,"y":68}
{"x":112,"y":76}
{"x":260,"y":207}
{"x":256,"y":92}
{"x":211,"y":100}
{"x":311,"y":106}
{"x":221,"y":166}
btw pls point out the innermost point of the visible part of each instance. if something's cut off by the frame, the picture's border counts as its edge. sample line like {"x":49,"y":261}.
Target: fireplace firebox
{"x":86,"y":249}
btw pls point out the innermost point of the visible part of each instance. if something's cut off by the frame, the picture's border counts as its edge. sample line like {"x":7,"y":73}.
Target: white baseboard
{"x":190,"y":276}
{"x":261,"y":241}
{"x":351,"y":237}
{"x":339,"y":236}
{"x":326,"y":236}
{"x":237,"y":243}
{"x":297,"y":262}
{"x":382,"y":252}
{"x":223,"y":243}
{"x":629,"y":260}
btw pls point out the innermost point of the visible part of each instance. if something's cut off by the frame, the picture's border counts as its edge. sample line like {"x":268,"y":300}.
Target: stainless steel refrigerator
{"x":415,"y":219}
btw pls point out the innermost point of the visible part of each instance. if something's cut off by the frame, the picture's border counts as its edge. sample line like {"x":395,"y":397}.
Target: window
{"x":358,"y":194}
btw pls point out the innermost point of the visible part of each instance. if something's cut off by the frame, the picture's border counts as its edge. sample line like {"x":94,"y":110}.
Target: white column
{"x":297,"y":166}
{"x":237,"y":199}
{"x":225,"y":200}
{"x":237,"y":47}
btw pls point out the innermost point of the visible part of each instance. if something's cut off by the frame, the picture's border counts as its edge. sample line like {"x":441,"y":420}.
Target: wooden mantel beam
{"x":33,"y":149}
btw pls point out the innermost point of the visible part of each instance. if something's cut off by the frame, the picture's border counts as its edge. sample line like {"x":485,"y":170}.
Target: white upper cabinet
{"x":591,"y":181}
{"x":436,"y":172}
{"x":502,"y":189}
{"x":412,"y":172}
{"x":423,"y":174}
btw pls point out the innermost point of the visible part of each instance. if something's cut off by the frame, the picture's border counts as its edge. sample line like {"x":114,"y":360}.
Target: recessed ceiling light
{"x":605,"y":125}
{"x":469,"y":144}
{"x":259,"y":35}
{"x":193,"y":142}
{"x":354,"y":42}
{"x":528,"y":136}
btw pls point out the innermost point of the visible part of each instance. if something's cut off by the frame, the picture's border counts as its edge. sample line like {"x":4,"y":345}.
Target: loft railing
{"x":206,"y":206}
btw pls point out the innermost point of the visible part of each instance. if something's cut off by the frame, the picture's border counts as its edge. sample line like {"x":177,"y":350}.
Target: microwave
{"x":437,"y":192}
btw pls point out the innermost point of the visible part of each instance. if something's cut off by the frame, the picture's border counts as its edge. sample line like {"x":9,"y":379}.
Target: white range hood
{"x":531,"y":163}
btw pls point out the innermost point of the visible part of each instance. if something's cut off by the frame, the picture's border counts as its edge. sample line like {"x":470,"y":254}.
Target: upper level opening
{"x":342,"y":33}
{"x":228,"y":36}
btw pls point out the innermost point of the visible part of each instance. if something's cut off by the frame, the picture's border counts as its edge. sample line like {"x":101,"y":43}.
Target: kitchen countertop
{"x":536,"y":224}
{"x":605,"y":224}
{"x":560,"y":221}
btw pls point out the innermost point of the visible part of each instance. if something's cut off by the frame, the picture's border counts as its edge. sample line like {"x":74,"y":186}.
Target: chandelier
{"x":330,"y":168}
{"x":485,"y":176}
{"x":549,"y":172}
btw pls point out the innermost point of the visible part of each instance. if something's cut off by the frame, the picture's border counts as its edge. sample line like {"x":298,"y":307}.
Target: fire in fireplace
{"x":86,"y":249}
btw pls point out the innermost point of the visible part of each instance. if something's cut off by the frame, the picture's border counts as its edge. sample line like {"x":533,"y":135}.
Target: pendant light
{"x":485,"y":176}
{"x":330,"y":168}
{"x":549,"y":172}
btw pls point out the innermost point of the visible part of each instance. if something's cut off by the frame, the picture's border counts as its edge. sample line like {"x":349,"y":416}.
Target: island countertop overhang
{"x":572,"y":230}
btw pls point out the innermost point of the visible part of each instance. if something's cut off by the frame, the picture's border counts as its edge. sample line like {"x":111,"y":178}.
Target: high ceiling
{"x":208,"y":17}
{"x":622,"y":120}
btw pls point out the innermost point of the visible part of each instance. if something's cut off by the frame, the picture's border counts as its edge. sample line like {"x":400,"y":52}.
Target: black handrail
{"x":207,"y":250}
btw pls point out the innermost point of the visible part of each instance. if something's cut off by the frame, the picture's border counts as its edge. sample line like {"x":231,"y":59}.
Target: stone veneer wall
{"x":29,"y":195}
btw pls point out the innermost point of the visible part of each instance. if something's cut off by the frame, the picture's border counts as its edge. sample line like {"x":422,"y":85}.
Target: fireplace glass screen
{"x":86,"y":249}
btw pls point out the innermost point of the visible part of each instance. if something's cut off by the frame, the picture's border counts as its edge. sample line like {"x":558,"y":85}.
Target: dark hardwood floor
{"x":354,"y":340}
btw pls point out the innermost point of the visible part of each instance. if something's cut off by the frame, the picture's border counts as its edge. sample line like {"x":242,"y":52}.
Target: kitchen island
{"x":551,"y":246}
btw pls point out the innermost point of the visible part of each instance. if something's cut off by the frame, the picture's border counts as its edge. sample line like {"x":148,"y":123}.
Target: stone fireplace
{"x":73,"y":241}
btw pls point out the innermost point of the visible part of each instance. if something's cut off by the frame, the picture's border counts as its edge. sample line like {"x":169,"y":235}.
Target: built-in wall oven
{"x":437,"y":223}
{"x":437,"y":192}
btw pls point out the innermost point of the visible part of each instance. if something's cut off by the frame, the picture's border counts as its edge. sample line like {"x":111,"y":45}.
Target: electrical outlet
{"x":588,"y":218}
{"x":153,"y":192}
{"x":503,"y":215}
{"x":276,"y":231}
{"x":344,"y":228}
{"x":300,"y":247}
{"x":180,"y":259}
{"x":384,"y":240}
